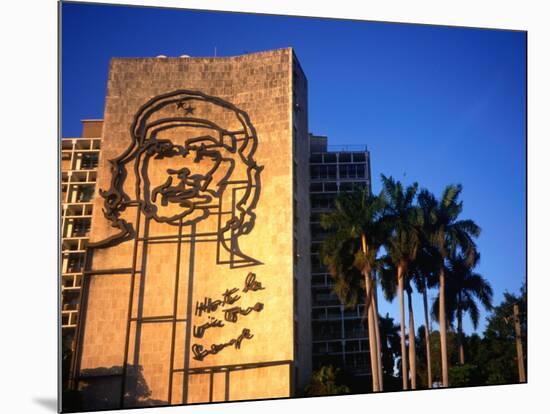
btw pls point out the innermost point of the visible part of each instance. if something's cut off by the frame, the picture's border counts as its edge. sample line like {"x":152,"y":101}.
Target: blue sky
{"x":436,"y":105}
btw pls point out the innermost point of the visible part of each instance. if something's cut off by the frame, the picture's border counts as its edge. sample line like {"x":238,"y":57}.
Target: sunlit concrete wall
{"x":136,"y":355}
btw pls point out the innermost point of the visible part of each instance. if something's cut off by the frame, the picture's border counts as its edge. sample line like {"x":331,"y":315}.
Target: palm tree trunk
{"x":372,"y":332}
{"x":519,"y":345}
{"x":427,"y":334}
{"x":404,"y":367}
{"x":373,"y":341}
{"x":459,"y":328}
{"x":377,"y":331}
{"x":412,"y":342}
{"x":443,"y":328}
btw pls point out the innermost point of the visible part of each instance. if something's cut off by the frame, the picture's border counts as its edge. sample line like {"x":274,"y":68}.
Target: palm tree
{"x":444,"y":234}
{"x":423,"y":273}
{"x":402,"y":244}
{"x":463,"y":288}
{"x":387,"y":270}
{"x":389,"y":338}
{"x":412,"y":338}
{"x":356,"y":230}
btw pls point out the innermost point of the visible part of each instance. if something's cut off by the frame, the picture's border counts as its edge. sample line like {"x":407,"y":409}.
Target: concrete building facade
{"x":79,"y":157}
{"x":196,"y":285}
{"x":340,"y":336}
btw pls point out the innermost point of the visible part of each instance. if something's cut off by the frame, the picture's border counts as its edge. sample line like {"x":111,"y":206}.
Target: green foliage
{"x":326,"y":381}
{"x":464,"y":288}
{"x":356,"y":214}
{"x":443,"y":233}
{"x":435,"y":348}
{"x":463,"y":375}
{"x":425,"y":237}
{"x":390,"y":344}
{"x":490,"y":359}
{"x":403,"y":219}
{"x":498,"y":356}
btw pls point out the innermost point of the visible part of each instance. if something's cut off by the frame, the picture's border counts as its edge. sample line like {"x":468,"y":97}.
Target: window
{"x":323,"y":172}
{"x":351,"y":186}
{"x":315,"y":262}
{"x":334,"y":313}
{"x":76,"y":262}
{"x":359,"y":157}
{"x":350,"y":313}
{"x":345,"y":157}
{"x":326,"y":330}
{"x":89,"y":161}
{"x":352,"y":346}
{"x":335,"y":347}
{"x":315,"y":217}
{"x":325,"y":297}
{"x":85,"y":194}
{"x":316,"y":187}
{"x":318,"y":314}
{"x":81,"y":227}
{"x":352,"y":171}
{"x":317,"y":232}
{"x":316,"y":158}
{"x":346,"y":186}
{"x":322,"y":201}
{"x":320,"y":348}
{"x":315,"y":247}
{"x":318,"y":279}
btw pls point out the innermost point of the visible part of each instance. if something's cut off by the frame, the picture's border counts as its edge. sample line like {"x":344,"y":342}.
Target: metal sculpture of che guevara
{"x":190,"y":164}
{"x":228,"y":150}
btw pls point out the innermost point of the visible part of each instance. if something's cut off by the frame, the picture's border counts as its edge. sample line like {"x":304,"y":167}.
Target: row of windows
{"x":333,"y":187}
{"x":329,"y":172}
{"x":331,"y":313}
{"x":321,"y":280}
{"x":89,"y":161}
{"x":319,"y":172}
{"x":325,"y":297}
{"x":81,"y":144}
{"x":325,"y":187}
{"x":339,"y":329}
{"x":326,"y":200}
{"x":334,"y":157}
{"x":338,"y":347}
{"x":322,"y":201}
{"x":352,"y":171}
{"x":356,"y":362}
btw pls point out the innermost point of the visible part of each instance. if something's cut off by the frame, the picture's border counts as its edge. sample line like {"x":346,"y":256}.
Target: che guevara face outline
{"x":194,"y":193}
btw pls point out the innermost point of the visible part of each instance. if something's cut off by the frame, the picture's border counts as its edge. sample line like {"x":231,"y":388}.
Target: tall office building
{"x":197,"y":278}
{"x":79,"y":158}
{"x":340,"y":336}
